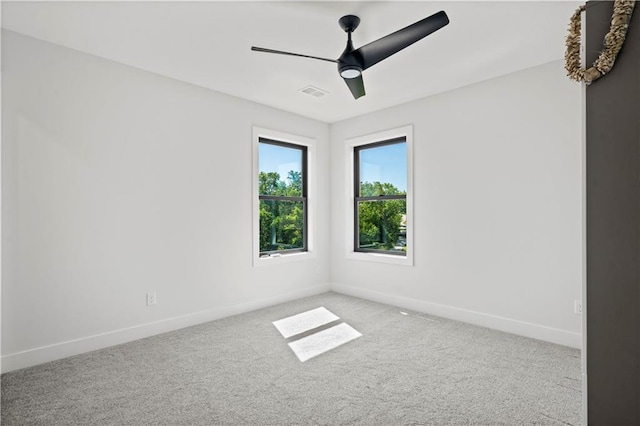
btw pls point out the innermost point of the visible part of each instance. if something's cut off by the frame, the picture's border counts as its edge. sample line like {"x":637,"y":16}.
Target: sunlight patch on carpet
{"x":305,"y":321}
{"x":323,"y":341}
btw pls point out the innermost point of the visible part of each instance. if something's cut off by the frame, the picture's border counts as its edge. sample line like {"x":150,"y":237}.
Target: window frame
{"x":357,"y":198}
{"x":302,"y":198}
{"x":406,"y":133}
{"x":309,"y":185}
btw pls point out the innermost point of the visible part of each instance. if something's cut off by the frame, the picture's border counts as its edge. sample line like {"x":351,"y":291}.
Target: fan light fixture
{"x":350,"y":73}
{"x":353,"y":61}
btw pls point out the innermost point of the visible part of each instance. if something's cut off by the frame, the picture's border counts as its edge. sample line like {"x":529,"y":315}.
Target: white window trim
{"x":310,"y":144}
{"x":406,"y":132}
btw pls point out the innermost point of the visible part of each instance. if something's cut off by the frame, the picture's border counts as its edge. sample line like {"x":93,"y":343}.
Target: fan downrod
{"x":349,"y":23}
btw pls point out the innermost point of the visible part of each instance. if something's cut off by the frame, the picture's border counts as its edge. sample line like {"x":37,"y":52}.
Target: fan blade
{"x":386,"y":46}
{"x":280,"y":52}
{"x":356,"y":85}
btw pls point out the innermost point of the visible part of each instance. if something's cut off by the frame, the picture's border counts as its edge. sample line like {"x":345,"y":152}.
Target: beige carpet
{"x":404,"y":369}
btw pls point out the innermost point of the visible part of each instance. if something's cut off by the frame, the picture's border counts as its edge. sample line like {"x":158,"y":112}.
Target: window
{"x":379,"y":197}
{"x":282,"y":195}
{"x":380,"y":201}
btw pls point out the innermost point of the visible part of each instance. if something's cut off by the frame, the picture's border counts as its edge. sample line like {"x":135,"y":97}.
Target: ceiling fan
{"x":353,"y":61}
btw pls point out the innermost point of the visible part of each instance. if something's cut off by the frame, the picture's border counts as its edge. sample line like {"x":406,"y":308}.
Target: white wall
{"x":116,"y":182}
{"x":497,"y":195}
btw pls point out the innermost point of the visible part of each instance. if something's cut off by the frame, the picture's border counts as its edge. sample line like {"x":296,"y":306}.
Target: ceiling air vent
{"x":314,"y":91}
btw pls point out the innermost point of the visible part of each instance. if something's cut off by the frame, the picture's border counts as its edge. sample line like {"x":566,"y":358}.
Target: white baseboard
{"x":60,"y":350}
{"x":521,"y":328}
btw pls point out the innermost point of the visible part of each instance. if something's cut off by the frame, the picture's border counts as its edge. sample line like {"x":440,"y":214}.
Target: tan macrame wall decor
{"x":613,"y":41}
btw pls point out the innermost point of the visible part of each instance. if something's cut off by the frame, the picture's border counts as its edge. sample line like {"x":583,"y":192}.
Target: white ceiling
{"x":208,"y":44}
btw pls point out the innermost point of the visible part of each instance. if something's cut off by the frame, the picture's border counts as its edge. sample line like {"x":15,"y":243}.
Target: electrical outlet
{"x":151,"y":298}
{"x":577,"y":307}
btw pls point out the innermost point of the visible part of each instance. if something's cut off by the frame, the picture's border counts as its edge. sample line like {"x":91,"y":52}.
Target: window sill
{"x":381,"y":258}
{"x":278,"y":258}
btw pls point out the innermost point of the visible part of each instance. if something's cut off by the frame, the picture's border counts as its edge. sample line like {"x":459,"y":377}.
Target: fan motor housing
{"x":349,"y":62}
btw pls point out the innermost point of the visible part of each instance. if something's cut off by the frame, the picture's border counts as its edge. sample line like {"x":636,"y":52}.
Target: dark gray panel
{"x":613,"y":227}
